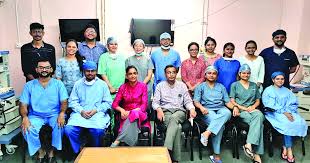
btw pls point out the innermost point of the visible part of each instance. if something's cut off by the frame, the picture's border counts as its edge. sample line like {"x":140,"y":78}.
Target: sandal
{"x":213,"y":160}
{"x":249,"y":153}
{"x":283,"y":156}
{"x":291,"y":160}
{"x":203,"y":140}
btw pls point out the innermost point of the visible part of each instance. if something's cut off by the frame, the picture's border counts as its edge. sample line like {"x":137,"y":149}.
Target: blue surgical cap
{"x":277,"y":73}
{"x":89,"y":65}
{"x":211,"y":68}
{"x":111,"y":40}
{"x":165,"y":35}
{"x":244,"y":68}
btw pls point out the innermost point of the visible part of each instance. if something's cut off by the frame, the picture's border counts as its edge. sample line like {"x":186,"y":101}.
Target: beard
{"x":44,"y":74}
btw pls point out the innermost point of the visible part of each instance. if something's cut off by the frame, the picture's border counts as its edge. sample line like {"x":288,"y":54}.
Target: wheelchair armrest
{"x":302,"y":108}
{"x":267,"y":109}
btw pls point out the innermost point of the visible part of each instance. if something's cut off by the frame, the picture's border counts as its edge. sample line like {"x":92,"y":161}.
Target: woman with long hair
{"x":131,"y":101}
{"x":69,"y":68}
{"x":256,"y":64}
{"x":227,"y":66}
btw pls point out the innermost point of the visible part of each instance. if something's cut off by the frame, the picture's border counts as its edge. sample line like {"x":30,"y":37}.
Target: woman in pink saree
{"x":131,"y":101}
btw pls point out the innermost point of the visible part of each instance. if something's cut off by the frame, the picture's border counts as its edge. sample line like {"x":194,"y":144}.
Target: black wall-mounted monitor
{"x":149,"y":30}
{"x":74,"y":28}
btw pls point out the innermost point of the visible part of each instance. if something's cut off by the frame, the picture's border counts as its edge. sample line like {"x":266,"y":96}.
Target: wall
{"x":229,"y":20}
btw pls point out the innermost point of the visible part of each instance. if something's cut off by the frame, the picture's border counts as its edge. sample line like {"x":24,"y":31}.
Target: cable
{"x":219,"y":10}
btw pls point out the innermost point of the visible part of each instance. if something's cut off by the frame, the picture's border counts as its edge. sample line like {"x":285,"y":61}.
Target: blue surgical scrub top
{"x":160,"y":62}
{"x":275,"y":62}
{"x":44,"y":102}
{"x":227,"y":72}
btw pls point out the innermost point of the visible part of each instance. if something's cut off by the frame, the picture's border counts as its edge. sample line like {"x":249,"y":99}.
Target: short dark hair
{"x":210,"y":39}
{"x":170,"y":66}
{"x":43,"y":59}
{"x":36,"y":26}
{"x":90,"y":26}
{"x":192,"y":43}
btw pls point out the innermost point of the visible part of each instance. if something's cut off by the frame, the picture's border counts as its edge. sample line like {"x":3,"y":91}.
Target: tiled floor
{"x":226,"y":154}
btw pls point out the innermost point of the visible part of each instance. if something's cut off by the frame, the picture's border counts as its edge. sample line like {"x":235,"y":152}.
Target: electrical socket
{"x":18,"y":45}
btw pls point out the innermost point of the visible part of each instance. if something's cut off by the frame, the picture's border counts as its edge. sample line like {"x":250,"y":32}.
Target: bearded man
{"x":279,"y":58}
{"x":43,"y":101}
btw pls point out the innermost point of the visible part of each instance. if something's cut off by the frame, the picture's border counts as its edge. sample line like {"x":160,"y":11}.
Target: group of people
{"x":94,"y":81}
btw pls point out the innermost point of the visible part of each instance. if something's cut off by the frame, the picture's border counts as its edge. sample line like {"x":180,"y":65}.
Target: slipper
{"x":203,"y":140}
{"x":291,"y":160}
{"x":283,"y":156}
{"x":213,"y":160}
{"x":113,"y":145}
{"x":248,"y":152}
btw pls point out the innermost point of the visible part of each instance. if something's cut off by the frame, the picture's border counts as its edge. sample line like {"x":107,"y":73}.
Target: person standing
{"x":91,"y":49}
{"x":279,"y":58}
{"x":36,"y":49}
{"x":164,"y":56}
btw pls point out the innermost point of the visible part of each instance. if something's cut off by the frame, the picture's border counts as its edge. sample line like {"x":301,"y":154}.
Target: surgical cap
{"x":89,"y":65}
{"x":165,"y":35}
{"x":278,"y":32}
{"x":138,"y":41}
{"x":111,"y":40}
{"x":277,"y":73}
{"x":244,"y":68}
{"x":211,"y":68}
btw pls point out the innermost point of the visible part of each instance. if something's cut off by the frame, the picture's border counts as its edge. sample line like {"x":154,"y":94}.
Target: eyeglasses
{"x":193,"y":50}
{"x":46,"y":68}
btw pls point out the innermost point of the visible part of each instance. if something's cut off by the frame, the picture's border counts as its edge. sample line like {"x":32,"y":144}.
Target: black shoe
{"x":51,"y":160}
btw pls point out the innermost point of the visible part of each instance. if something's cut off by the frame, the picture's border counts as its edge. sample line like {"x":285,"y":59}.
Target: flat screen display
{"x":74,"y":28}
{"x":149,"y":30}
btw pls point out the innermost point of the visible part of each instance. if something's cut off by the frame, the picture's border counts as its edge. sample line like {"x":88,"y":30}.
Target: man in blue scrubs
{"x":164,"y":56}
{"x":90,"y":101}
{"x":43,"y":101}
{"x":279,"y":58}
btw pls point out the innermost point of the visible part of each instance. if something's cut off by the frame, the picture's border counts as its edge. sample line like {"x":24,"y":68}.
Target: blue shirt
{"x":92,"y":54}
{"x":211,"y":98}
{"x":88,"y":97}
{"x":44,"y":102}
{"x":275,"y":62}
{"x":227,"y":72}
{"x":160,"y":61}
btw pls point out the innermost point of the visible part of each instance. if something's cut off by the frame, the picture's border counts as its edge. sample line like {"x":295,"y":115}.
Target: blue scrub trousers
{"x":73,"y":133}
{"x":216,"y":120}
{"x":32,"y":137}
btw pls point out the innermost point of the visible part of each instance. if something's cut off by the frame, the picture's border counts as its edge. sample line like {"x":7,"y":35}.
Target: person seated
{"x":169,"y":100}
{"x":212,"y":100}
{"x":285,"y":118}
{"x":43,"y":101}
{"x":90,"y":101}
{"x":131,"y":101}
{"x":245,"y":97}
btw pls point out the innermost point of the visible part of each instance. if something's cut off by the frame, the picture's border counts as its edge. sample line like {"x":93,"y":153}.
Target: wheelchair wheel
{"x":10,"y":151}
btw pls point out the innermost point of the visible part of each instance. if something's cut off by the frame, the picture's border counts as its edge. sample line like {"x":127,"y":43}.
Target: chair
{"x":67,"y":151}
{"x":144,"y":137}
{"x":271,"y":133}
{"x":200,"y":126}
{"x":160,"y":131}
